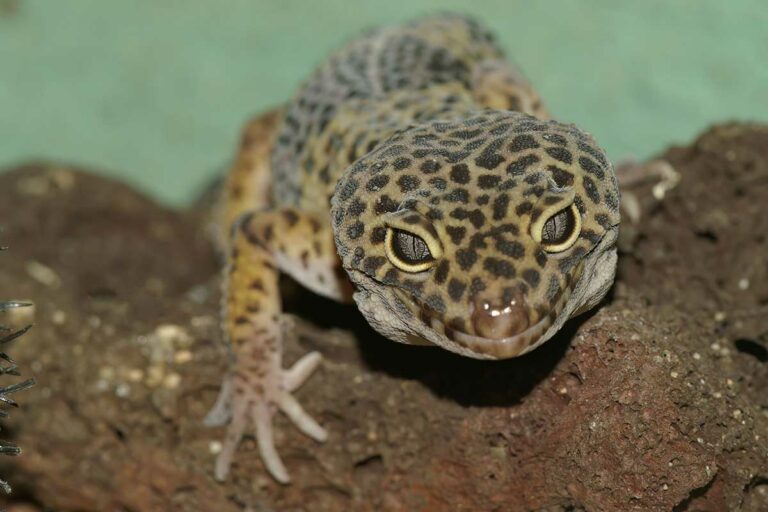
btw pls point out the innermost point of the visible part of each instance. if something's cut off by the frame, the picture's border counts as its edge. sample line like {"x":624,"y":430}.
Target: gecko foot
{"x":244,"y":398}
{"x":631,"y":174}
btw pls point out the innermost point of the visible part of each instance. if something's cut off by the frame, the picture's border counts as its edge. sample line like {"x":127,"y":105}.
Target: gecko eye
{"x":561,"y":230}
{"x":407,"y":251}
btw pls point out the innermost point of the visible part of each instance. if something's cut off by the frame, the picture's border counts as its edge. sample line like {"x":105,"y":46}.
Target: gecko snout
{"x":500,"y":318}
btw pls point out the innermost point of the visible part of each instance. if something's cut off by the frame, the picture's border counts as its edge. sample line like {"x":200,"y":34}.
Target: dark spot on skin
{"x":591,"y":189}
{"x":466,"y":258}
{"x":430,"y":166}
{"x":490,"y":158}
{"x":315,"y":225}
{"x":541,"y":258}
{"x":532,"y":277}
{"x":240,"y":320}
{"x":588,"y":165}
{"x":508,"y":184}
{"x":378,"y":234}
{"x":408,"y":183}
{"x":358,"y":256}
{"x":391,"y":277}
{"x":373,"y":263}
{"x":348,"y":189}
{"x":483,"y":199}
{"x":590,"y":235}
{"x":477,"y":241}
{"x":611,"y":200}
{"x":499,"y":268}
{"x":438,"y":183}
{"x":562,"y":177}
{"x":268,"y":233}
{"x":456,"y":233}
{"x":550,"y":200}
{"x":500,"y":206}
{"x":522,"y":142}
{"x":466,"y":134}
{"x":401,"y":163}
{"x":594,"y":153}
{"x":456,"y":289}
{"x":304,"y":257}
{"x":510,"y":248}
{"x":519,"y":166}
{"x":412,"y":219}
{"x":555,"y":138}
{"x":435,"y":303}
{"x":441,"y":272}
{"x":560,"y":154}
{"x":355,"y":230}
{"x":477,"y":218}
{"x":579,"y":204}
{"x":385,"y":204}
{"x":356,"y":208}
{"x":458,"y":195}
{"x":486,"y":181}
{"x":414,"y":287}
{"x":377,"y":183}
{"x":603,"y":220}
{"x":477,"y":286}
{"x":460,"y":173}
{"x":500,"y":130}
{"x":257,"y":284}
{"x":523,"y":208}
{"x":474,"y":144}
{"x":434,"y":214}
{"x":534,"y":191}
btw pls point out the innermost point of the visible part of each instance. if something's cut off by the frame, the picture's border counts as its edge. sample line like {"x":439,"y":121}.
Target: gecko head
{"x":482,"y":236}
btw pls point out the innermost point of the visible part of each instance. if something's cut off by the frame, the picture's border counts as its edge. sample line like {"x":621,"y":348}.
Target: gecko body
{"x":417,"y":173}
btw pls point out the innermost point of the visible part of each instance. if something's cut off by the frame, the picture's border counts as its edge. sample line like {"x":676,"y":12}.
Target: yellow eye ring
{"x":410,"y":252}
{"x":559,"y":230}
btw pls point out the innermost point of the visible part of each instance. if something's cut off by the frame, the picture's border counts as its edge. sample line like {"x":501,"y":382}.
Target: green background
{"x":154,"y":91}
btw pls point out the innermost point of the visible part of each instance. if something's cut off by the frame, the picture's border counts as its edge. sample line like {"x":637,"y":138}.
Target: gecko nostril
{"x":500,"y":319}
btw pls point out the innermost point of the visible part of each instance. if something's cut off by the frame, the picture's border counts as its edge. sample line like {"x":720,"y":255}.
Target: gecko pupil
{"x":558,"y":227}
{"x":410,"y":248}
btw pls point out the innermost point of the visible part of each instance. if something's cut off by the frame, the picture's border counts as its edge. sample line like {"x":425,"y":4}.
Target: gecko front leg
{"x":262,"y":245}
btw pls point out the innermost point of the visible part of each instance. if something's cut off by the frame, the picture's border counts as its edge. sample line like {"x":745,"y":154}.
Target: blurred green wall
{"x":154,"y":91}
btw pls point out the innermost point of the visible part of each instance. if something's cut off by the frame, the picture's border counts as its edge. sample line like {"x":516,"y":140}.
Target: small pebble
{"x":183,"y":356}
{"x":135,"y":375}
{"x":172,"y":380}
{"x":43,"y":274}
{"x":215,"y":447}
{"x":123,"y":390}
{"x":59,"y":317}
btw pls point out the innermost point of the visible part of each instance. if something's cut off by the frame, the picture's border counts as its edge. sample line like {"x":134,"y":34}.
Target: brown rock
{"x":655,"y":402}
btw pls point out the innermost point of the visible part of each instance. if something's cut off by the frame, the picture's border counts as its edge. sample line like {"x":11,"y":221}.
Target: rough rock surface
{"x":657,"y":401}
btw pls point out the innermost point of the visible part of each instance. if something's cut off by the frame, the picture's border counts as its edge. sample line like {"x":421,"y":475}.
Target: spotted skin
{"x":420,"y":166}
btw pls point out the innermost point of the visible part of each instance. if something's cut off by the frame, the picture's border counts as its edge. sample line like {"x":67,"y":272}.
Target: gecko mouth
{"x":512,"y":346}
